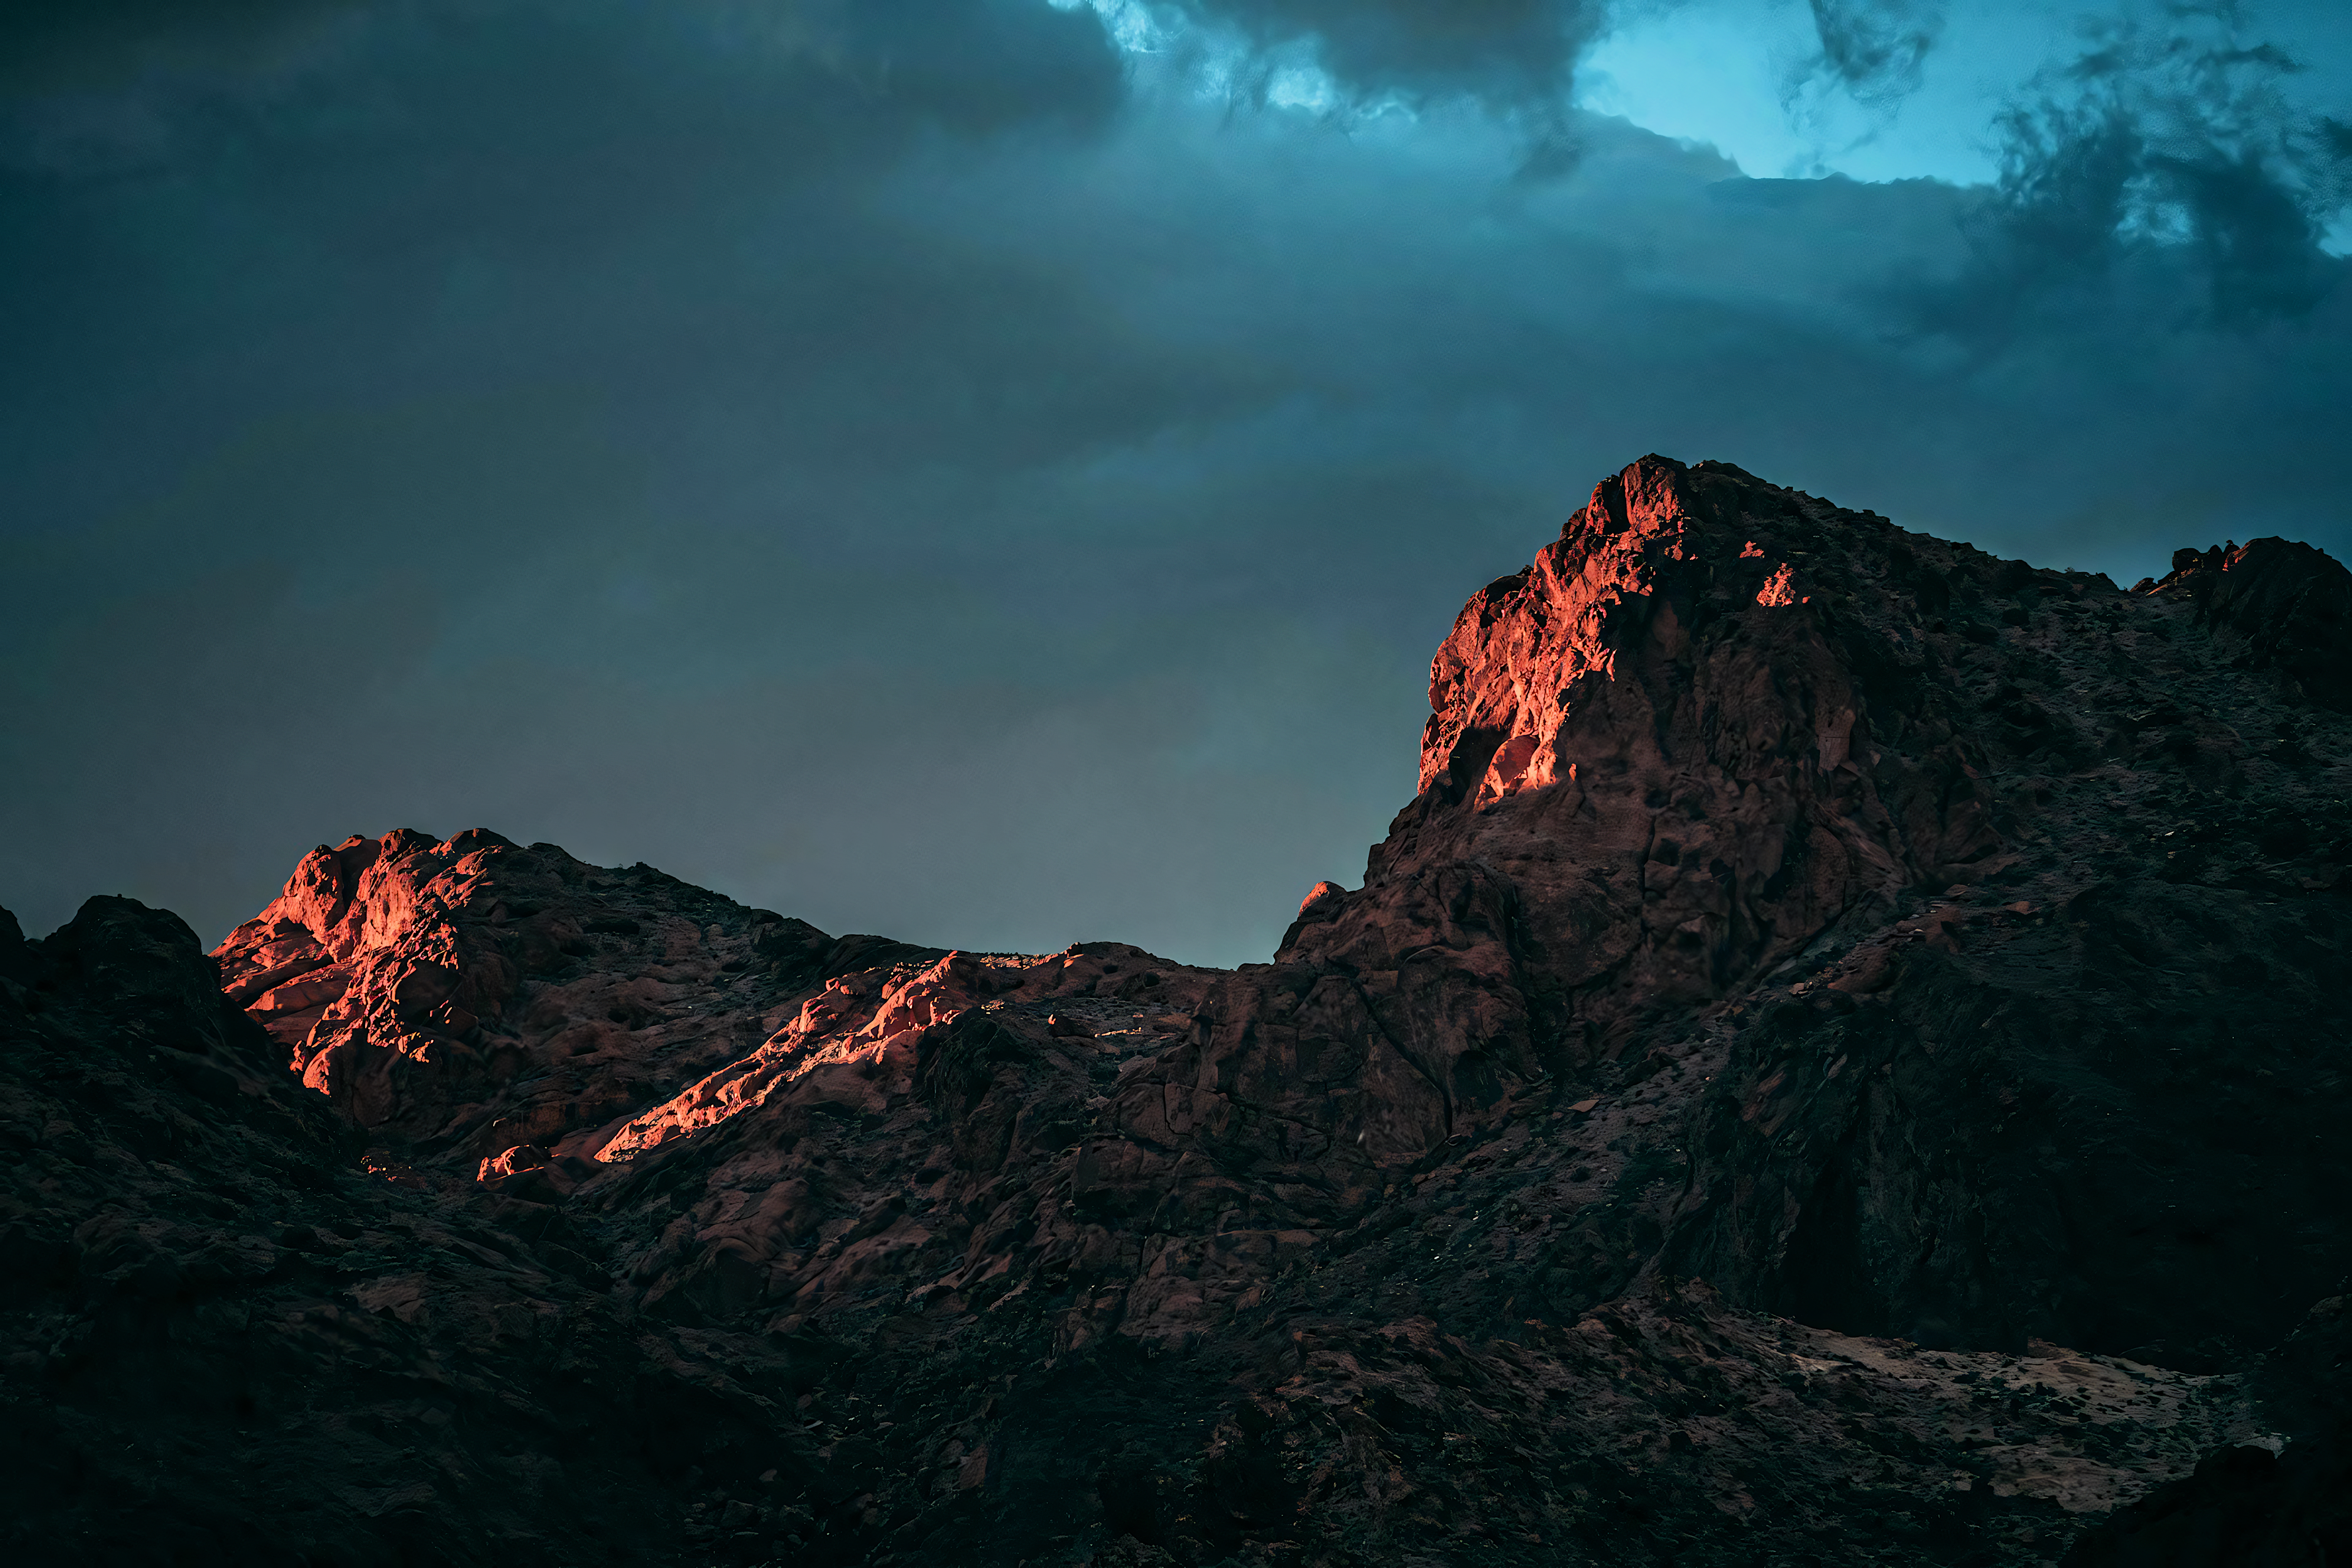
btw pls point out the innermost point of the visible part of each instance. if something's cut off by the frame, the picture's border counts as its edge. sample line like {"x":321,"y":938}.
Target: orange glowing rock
{"x":1778,"y":588}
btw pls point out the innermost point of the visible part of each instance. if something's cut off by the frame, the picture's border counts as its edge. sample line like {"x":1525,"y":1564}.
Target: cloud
{"x":1875,"y":49}
{"x":1000,"y":510}
{"x":69,"y":45}
{"x":2334,"y":141}
{"x":1519,"y":54}
{"x":1513,"y":53}
{"x":2168,"y":165}
{"x":129,"y":84}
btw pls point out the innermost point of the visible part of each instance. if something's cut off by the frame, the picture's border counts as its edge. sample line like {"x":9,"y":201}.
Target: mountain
{"x":1841,"y":1062}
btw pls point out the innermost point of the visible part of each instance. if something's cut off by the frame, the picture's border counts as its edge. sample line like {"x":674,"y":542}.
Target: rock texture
{"x":1841,"y":1062}
{"x":227,"y":1340}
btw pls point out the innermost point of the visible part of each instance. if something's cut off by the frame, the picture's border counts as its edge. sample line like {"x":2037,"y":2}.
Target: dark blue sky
{"x":994,"y":471}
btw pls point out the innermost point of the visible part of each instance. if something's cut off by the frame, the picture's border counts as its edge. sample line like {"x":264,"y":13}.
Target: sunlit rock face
{"x":450,"y":995}
{"x":1984,"y":912}
{"x":1844,"y":1056}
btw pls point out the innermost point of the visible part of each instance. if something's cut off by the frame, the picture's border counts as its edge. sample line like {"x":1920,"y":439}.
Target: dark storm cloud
{"x":902,"y":467}
{"x":1876,"y":47}
{"x":2166,"y":167}
{"x":585,"y":365}
{"x":1513,"y":51}
{"x":101,"y":43}
{"x":121,"y":83}
{"x":1520,"y":53}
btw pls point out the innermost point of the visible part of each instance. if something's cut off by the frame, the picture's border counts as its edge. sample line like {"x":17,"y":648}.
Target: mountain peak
{"x":1837,"y":997}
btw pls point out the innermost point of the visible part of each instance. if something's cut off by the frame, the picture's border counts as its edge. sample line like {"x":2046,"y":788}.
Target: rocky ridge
{"x":1837,"y":1063}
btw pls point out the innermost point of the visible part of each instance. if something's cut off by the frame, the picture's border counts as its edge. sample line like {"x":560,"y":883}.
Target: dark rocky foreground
{"x":1845,"y":1060}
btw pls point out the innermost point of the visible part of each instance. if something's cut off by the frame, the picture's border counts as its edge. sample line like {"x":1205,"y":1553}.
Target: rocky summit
{"x":1845,"y":1060}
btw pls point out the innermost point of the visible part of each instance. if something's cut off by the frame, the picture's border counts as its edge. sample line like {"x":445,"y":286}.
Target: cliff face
{"x":1842,"y":1054}
{"x":1985,"y":922}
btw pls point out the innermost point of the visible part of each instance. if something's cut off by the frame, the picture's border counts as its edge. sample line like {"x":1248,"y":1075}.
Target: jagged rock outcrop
{"x":1990,"y":916}
{"x":1838,"y":1062}
{"x":471,"y":994}
{"x":223,"y":1339}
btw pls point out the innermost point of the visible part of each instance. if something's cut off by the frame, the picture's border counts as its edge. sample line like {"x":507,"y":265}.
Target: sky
{"x":994,"y":472}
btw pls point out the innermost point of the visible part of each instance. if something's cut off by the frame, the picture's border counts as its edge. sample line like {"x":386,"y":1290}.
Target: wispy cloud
{"x":2165,"y":164}
{"x":1876,"y":48}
